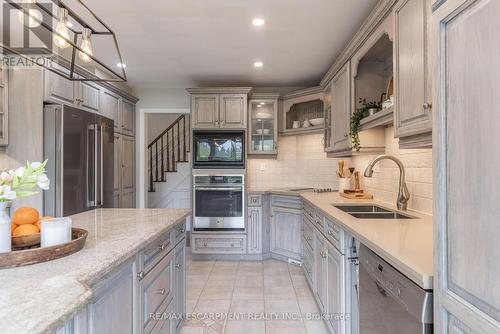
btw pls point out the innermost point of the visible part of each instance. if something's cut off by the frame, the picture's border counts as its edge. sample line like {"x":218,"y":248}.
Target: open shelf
{"x":301,"y":131}
{"x":384,"y":117}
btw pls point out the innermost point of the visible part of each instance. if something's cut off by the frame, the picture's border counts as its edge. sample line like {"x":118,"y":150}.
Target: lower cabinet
{"x":335,"y":292}
{"x":286,"y":234}
{"x":218,"y":244}
{"x":140,"y":297}
{"x":254,"y":230}
{"x":114,"y":307}
{"x":320,"y":270}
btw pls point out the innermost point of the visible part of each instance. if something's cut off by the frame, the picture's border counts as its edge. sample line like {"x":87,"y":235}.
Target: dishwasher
{"x":389,"y":302}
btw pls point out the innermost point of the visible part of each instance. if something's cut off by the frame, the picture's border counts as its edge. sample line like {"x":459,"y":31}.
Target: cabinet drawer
{"x":219,"y":244}
{"x":254,"y":200}
{"x":179,"y":233}
{"x":156,"y":291}
{"x":308,"y":233}
{"x":291,"y":202}
{"x":334,"y":234}
{"x":155,"y":252}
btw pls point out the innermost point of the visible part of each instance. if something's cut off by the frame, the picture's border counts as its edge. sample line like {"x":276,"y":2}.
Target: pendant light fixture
{"x":86,"y":53}
{"x":31,"y":17}
{"x":61,"y":35}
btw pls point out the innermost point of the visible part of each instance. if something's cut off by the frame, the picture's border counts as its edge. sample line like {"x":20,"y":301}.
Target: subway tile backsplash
{"x":301,"y":162}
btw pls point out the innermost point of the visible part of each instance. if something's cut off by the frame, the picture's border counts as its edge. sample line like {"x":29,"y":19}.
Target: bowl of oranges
{"x":25,"y":227}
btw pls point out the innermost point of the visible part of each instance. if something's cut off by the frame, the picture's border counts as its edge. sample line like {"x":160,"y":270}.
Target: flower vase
{"x":5,"y":234}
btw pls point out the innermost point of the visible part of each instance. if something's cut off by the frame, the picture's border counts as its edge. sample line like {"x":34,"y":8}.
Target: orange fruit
{"x":12,"y":228}
{"x":25,"y":229}
{"x":25,"y":216}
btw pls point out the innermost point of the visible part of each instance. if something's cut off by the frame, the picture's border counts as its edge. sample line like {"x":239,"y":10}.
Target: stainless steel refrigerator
{"x":79,"y":146}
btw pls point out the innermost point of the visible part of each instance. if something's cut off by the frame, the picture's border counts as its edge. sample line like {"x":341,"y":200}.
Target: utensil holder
{"x":344,"y":184}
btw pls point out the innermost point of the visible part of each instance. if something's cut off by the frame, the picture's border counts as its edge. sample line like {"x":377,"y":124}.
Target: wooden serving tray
{"x":19,"y":258}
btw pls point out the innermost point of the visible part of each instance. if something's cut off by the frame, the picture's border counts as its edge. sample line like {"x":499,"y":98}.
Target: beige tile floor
{"x":225,"y":288}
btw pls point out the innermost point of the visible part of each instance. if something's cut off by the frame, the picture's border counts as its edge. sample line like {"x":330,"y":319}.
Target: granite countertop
{"x":40,"y":298}
{"x":407,"y":244}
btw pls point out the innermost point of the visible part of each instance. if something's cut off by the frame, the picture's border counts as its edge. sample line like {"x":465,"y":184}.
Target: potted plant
{"x":20,"y":182}
{"x":366,"y":109}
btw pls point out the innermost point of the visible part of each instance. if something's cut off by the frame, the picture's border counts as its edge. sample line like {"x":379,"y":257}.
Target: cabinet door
{"x":111,"y":108}
{"x":113,"y":311}
{"x":466,"y":160}
{"x":341,"y":110}
{"x":90,"y":96}
{"x":233,"y":111}
{"x":412,"y":114}
{"x":335,"y":286}
{"x":254,"y":230}
{"x":127,"y":118}
{"x":320,"y":267}
{"x":180,"y":286}
{"x":128,"y":172}
{"x":286,"y":232}
{"x":205,"y":111}
{"x":117,"y":168}
{"x":58,"y":89}
{"x":263,"y":126}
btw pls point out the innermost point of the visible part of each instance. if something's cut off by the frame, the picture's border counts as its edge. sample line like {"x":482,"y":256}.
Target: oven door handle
{"x":220,"y":188}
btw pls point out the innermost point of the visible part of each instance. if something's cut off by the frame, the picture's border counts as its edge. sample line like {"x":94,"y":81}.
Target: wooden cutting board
{"x":356,"y":195}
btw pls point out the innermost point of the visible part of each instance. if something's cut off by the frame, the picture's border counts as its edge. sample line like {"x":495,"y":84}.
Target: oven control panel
{"x":218,"y":179}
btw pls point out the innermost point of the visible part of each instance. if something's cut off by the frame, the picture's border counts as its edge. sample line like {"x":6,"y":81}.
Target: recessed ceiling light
{"x":261,"y":103}
{"x":259,"y":106}
{"x":122,"y":65}
{"x":258,"y":22}
{"x":258,"y":64}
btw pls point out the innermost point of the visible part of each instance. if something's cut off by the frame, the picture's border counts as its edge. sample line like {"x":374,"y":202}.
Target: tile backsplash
{"x":301,"y":162}
{"x":385,"y":181}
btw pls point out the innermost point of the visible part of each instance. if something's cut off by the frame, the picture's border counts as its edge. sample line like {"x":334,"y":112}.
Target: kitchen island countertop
{"x":40,"y":298}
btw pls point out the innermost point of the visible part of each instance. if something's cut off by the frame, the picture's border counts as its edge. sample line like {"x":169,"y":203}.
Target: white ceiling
{"x":184,"y":43}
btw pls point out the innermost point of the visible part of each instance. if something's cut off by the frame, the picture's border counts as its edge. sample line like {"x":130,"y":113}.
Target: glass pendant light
{"x":33,"y":16}
{"x":86,"y":46}
{"x":62,"y":29}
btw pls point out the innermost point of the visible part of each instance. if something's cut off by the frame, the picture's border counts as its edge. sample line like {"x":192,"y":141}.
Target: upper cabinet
{"x":127,"y":117}
{"x":303,"y":112}
{"x":219,"y":108}
{"x":4,"y":105}
{"x":413,"y":88}
{"x":111,"y":108}
{"x":263,"y":124}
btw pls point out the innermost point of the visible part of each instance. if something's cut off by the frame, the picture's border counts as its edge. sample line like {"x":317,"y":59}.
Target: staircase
{"x":171,"y":147}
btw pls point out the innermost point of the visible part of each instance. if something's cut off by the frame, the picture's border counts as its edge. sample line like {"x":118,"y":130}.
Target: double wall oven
{"x":219,"y":203}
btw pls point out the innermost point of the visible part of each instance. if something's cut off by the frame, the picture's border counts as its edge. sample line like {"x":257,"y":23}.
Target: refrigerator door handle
{"x":101,"y":161}
{"x":90,"y":176}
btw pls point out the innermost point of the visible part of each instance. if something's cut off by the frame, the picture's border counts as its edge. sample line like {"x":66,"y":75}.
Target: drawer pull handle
{"x":309,"y":238}
{"x":232,"y":244}
{"x":182,"y":230}
{"x":178,"y":265}
{"x":161,"y":291}
{"x":323,"y":255}
{"x":330,"y":232}
{"x":140,"y":274}
{"x":204,"y":244}
{"x":162,"y":246}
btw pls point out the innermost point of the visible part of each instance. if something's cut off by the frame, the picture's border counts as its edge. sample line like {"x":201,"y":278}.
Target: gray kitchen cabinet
{"x":412,"y":79}
{"x":114,"y":307}
{"x":205,"y":111}
{"x":286,"y":233}
{"x":254,"y":230}
{"x":89,"y":96}
{"x":127,"y":181}
{"x":341,"y":111}
{"x":218,"y":243}
{"x":233,"y":111}
{"x":335,"y":287}
{"x":57,"y":89}
{"x":179,"y":286}
{"x":219,"y":108}
{"x":111,"y":108}
{"x":466,"y":160}
{"x":127,"y":118}
{"x":320,"y":269}
{"x":263,"y":124}
{"x":4,"y":106}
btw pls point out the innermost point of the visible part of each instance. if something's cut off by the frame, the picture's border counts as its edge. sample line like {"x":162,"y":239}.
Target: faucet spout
{"x":403,"y":193}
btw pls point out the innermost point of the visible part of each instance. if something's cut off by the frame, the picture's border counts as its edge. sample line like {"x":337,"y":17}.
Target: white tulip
{"x":36,"y":165}
{"x":5,"y":177}
{"x":43,"y":182}
{"x":20,"y":171}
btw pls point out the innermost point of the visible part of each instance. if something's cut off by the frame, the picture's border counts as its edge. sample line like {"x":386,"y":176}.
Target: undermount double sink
{"x":371,"y":212}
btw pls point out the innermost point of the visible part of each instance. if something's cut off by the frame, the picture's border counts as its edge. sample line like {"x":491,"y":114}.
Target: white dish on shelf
{"x":258,"y":131}
{"x":317,"y":121}
{"x":266,"y":131}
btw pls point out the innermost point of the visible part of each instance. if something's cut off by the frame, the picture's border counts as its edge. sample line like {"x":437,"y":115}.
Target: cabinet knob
{"x":204,"y":244}
{"x":346,"y":135}
{"x":330,"y":232}
{"x":178,"y":265}
{"x":140,"y":274}
{"x":161,"y":291}
{"x":182,"y":230}
{"x":427,"y":105}
{"x":162,"y":246}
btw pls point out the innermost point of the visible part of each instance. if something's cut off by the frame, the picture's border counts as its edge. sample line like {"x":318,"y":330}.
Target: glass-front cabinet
{"x":263,"y":120}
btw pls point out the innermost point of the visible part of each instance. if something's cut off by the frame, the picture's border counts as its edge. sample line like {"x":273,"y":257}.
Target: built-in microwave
{"x":219,"y":149}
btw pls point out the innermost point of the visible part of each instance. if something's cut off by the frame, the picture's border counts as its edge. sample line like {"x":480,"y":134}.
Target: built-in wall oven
{"x":219,"y":203}
{"x":219,"y":149}
{"x":389,"y":302}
